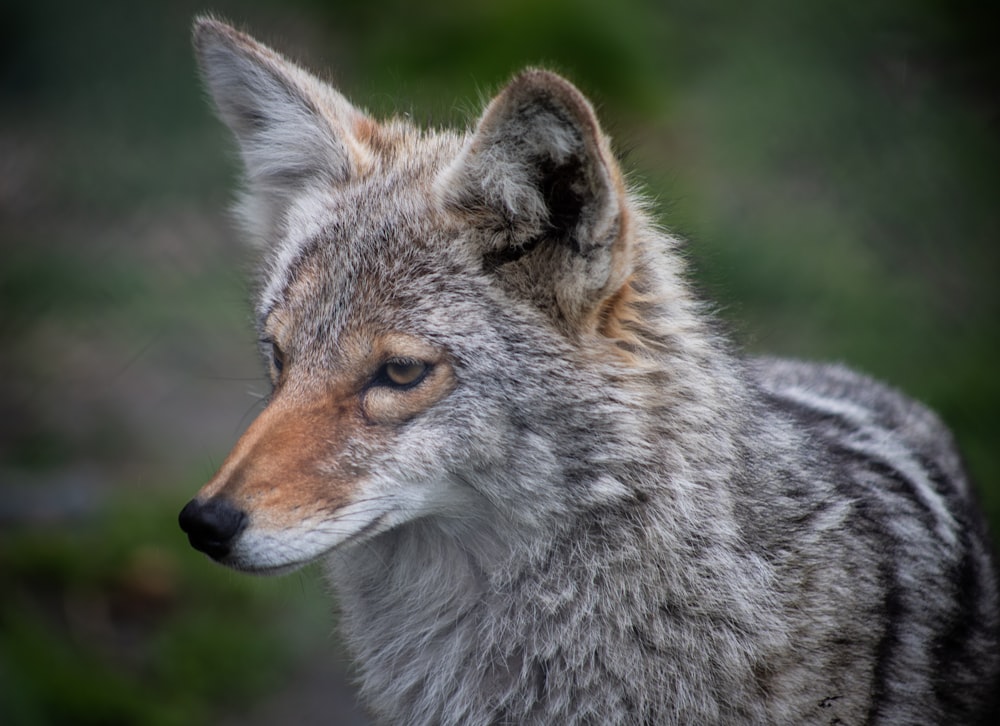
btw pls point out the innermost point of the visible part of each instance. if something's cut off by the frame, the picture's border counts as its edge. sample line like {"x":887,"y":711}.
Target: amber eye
{"x":403,"y":372}
{"x":278,"y":358}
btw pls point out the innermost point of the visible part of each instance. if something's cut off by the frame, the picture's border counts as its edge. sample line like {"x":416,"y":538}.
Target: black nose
{"x":212,"y":526}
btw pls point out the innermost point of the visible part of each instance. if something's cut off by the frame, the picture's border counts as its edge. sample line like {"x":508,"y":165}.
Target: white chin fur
{"x":265,"y":551}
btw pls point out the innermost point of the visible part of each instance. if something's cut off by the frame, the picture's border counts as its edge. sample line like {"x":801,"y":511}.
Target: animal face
{"x":431,"y":307}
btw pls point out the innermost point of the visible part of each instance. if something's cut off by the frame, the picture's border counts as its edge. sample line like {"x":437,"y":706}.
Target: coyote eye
{"x":277,"y":357}
{"x":403,"y":372}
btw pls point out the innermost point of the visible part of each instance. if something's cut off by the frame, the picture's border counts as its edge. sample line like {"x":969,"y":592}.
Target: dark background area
{"x":835,"y":167}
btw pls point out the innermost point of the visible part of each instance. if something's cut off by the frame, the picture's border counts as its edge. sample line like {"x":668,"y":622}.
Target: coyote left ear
{"x":294,"y":130}
{"x":539,"y":179}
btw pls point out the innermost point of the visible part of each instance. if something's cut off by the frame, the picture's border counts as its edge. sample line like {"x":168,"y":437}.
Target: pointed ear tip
{"x":207,"y":28}
{"x":540,"y":81}
{"x":538,"y":78}
{"x":204,"y":24}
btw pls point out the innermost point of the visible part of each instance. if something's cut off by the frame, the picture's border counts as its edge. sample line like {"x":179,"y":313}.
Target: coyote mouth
{"x":260,"y":553}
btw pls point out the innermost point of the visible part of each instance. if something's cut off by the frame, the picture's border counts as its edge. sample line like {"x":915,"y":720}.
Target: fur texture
{"x":546,"y":489}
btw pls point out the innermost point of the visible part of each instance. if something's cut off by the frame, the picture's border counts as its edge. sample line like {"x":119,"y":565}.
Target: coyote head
{"x":446,"y":319}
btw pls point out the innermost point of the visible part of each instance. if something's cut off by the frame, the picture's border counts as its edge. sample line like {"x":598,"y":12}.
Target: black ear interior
{"x":559,"y":185}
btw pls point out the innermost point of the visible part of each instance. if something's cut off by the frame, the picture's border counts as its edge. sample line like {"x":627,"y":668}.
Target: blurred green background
{"x":835,"y":166}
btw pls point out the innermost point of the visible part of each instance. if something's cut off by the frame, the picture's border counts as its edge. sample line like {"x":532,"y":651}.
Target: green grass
{"x":117,"y":620}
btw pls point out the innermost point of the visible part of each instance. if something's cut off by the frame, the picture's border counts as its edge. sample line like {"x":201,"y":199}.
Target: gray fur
{"x":610,"y":517}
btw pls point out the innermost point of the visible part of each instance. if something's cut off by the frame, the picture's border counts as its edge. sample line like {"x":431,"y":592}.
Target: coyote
{"x":544,"y":485}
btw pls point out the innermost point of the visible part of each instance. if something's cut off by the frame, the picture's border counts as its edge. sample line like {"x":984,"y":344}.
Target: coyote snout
{"x":307,"y":476}
{"x":544,"y":486}
{"x":281,"y":472}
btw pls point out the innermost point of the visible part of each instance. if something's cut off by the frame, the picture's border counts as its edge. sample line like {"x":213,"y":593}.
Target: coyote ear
{"x":538,"y":177}
{"x":293,"y":130}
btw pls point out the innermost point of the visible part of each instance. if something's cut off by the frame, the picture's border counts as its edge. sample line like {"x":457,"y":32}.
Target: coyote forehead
{"x":373,"y":226}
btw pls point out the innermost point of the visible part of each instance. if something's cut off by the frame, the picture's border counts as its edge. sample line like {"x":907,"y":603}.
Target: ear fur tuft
{"x":292,"y":129}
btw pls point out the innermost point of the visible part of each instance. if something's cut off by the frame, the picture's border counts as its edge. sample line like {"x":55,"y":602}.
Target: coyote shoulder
{"x":546,"y":488}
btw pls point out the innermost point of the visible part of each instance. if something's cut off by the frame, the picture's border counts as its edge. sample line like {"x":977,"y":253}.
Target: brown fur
{"x":282,"y":446}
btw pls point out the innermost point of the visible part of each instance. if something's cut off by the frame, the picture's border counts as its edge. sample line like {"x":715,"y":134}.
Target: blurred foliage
{"x":116,"y":620}
{"x":835,"y":166}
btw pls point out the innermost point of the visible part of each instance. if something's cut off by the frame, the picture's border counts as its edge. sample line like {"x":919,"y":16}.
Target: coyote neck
{"x":561,"y":622}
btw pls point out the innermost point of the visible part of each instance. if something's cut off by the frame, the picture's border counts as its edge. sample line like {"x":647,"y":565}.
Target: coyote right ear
{"x":294,"y":131}
{"x":539,"y":179}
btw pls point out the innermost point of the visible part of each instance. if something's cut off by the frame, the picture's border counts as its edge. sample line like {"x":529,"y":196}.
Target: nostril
{"x":212,"y":526}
